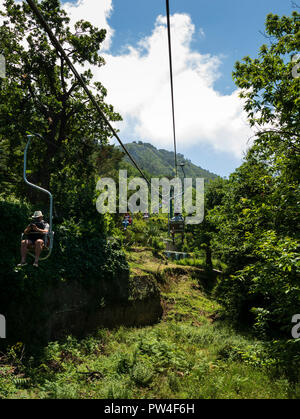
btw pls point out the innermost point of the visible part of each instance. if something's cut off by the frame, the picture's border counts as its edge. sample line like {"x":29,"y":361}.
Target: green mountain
{"x":161,"y":162}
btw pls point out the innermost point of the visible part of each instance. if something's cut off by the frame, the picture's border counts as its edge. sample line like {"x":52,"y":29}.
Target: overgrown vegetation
{"x":81,"y":256}
{"x":258,"y":219}
{"x":189,"y":354}
{"x":227,"y":308}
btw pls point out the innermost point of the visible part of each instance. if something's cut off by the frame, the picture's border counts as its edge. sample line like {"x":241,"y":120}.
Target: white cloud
{"x":138,"y":84}
{"x":139,"y":88}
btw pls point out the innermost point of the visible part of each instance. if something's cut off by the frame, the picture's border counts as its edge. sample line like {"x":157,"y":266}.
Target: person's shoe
{"x":22,"y":264}
{"x":36,"y":264}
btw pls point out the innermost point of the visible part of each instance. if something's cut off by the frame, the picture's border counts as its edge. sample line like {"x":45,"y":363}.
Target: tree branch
{"x":280,"y":132}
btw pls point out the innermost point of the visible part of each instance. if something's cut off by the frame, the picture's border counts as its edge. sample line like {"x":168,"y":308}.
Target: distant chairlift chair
{"x":176,"y":225}
{"x":127,"y":221}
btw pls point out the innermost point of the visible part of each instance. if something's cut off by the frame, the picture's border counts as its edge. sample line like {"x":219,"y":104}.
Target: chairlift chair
{"x":48,"y":241}
{"x":177,"y":224}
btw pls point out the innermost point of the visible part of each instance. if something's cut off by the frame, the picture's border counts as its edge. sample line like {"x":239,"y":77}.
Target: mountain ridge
{"x":160,"y":162}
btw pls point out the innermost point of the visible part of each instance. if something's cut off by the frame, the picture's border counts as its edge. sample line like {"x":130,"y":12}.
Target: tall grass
{"x":187,"y":355}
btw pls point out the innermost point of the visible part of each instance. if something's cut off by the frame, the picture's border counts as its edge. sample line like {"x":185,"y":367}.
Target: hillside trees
{"x":204,"y":232}
{"x":258,"y":221}
{"x":40,"y":94}
{"x":160,"y":162}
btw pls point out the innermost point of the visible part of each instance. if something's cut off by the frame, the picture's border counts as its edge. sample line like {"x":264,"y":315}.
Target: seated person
{"x":35,"y":237}
{"x":125,"y":223}
{"x":177,"y":217}
{"x":127,"y":219}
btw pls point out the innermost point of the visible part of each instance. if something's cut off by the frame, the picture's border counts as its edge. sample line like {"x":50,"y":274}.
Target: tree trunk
{"x":208,"y":261}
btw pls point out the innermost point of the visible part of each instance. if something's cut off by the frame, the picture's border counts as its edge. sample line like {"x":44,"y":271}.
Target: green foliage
{"x":257,"y":222}
{"x":157,"y":246}
{"x":267,"y":83}
{"x":273,"y":282}
{"x":40,"y":94}
{"x":191,"y":262}
{"x":142,"y":232}
{"x":14,"y":217}
{"x":189,"y":357}
{"x":142,"y":373}
{"x":251,"y":226}
{"x":259,"y":244}
{"x":161,"y":162}
{"x":200,"y":236}
{"x":80,"y":256}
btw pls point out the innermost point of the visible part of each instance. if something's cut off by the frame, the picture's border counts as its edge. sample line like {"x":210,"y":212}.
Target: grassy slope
{"x":188,"y":354}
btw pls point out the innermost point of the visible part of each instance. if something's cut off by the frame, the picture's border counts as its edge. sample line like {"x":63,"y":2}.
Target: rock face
{"x":70,"y":307}
{"x":83,"y":286}
{"x":77,"y":312}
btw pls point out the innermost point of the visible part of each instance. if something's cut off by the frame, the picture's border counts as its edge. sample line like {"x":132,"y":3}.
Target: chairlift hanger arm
{"x":32,"y":184}
{"x":49,"y":232}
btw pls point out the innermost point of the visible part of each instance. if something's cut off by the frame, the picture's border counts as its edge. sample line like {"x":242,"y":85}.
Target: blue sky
{"x":231,"y":27}
{"x":208,"y":37}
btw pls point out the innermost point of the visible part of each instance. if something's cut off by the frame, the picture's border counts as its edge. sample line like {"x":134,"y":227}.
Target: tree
{"x":40,"y":94}
{"x":272,"y":94}
{"x":270,"y":88}
{"x":258,"y":221}
{"x":203,"y":233}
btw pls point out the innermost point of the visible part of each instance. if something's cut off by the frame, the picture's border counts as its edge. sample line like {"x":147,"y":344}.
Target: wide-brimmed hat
{"x":37,"y":214}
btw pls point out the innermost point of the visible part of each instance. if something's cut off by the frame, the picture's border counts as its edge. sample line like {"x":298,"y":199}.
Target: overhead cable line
{"x":59,"y":48}
{"x":172,"y":88}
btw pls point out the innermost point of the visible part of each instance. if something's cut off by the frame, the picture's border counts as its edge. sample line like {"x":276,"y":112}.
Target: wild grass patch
{"x":186,"y":355}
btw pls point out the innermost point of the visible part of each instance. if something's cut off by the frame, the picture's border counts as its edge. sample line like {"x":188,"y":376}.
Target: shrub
{"x":267,"y":290}
{"x":81,"y":256}
{"x":142,"y":373}
{"x":157,"y":246}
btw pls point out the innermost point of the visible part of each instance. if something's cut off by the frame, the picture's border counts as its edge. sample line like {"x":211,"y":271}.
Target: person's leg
{"x":39,"y":244}
{"x":24,"y":249}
